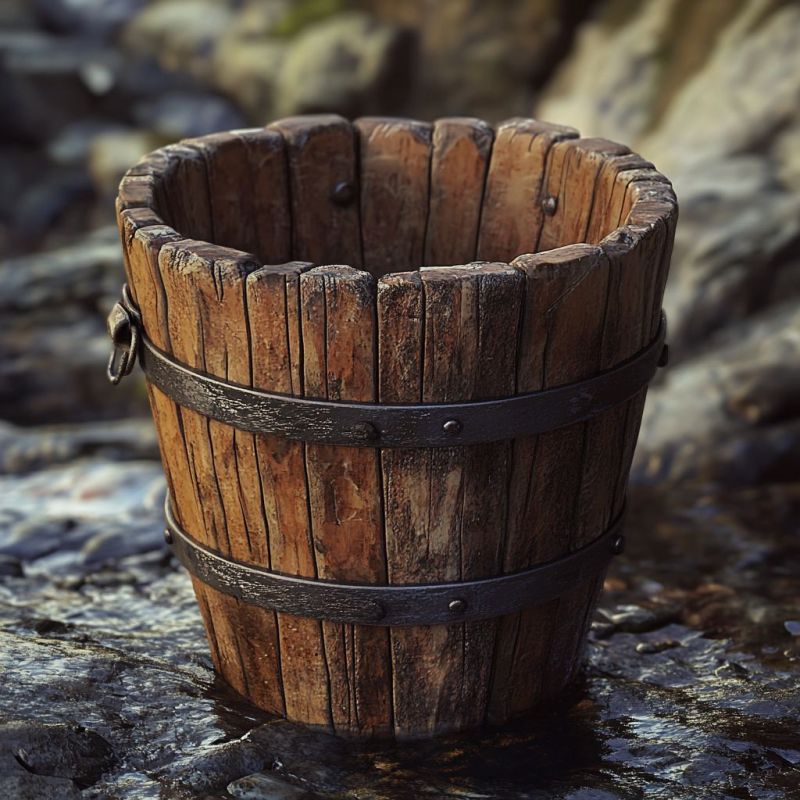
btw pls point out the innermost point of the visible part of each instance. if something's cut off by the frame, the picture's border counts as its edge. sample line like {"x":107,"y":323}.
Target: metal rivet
{"x":618,"y":545}
{"x":457,"y":606}
{"x":663,"y":359}
{"x":343,"y":193}
{"x":167,"y":535}
{"x":366,"y":431}
{"x":549,"y":205}
{"x":452,"y":427}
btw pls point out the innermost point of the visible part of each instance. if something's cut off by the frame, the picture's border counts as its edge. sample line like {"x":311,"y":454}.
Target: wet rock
{"x":350,"y":64}
{"x":10,"y":567}
{"x":792,"y":627}
{"x":24,"y":786}
{"x":24,"y":450}
{"x":635,"y":619}
{"x":57,"y":750}
{"x":261,"y":786}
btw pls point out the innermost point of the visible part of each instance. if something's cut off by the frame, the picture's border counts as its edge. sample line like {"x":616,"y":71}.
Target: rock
{"x":792,"y":627}
{"x":179,"y":34}
{"x":112,"y":153}
{"x":262,"y":786}
{"x":728,"y":415}
{"x":24,"y":450}
{"x":54,"y":346}
{"x":24,"y":786}
{"x":10,"y":567}
{"x":247,"y":70}
{"x":57,"y":751}
{"x":680,"y":101}
{"x":93,"y":18}
{"x":177,"y":115}
{"x":50,"y":81}
{"x":484,"y":59}
{"x":349,"y":64}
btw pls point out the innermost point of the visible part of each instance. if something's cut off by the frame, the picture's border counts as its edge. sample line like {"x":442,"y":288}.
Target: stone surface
{"x":54,"y":341}
{"x":716,"y":110}
{"x":349,"y":64}
{"x":691,"y":684}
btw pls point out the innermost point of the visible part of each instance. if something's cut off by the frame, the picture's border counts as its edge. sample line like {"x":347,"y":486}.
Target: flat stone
{"x":262,"y":786}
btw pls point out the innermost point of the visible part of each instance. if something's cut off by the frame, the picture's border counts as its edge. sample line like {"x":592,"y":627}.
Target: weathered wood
{"x":459,"y":165}
{"x":394,"y":162}
{"x":273,"y":304}
{"x":322,"y":156}
{"x":511,"y":213}
{"x":572,"y":172}
{"x":205,"y":298}
{"x":344,"y":485}
{"x":561,"y":335}
{"x":394,"y":196}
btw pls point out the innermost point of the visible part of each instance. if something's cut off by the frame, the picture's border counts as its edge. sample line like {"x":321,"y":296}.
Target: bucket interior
{"x":386,"y":195}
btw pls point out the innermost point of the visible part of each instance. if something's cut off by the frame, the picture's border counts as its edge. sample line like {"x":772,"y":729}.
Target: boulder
{"x":716,"y":109}
{"x":350,"y":64}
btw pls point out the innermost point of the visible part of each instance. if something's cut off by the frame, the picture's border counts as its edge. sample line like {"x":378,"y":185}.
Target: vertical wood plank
{"x":606,"y":206}
{"x":512,"y":215}
{"x":444,"y":519}
{"x":395,"y":159}
{"x":274,"y":320}
{"x":269,"y":172}
{"x":321,"y":153}
{"x":344,"y":483}
{"x":459,"y":165}
{"x":207,"y":324}
{"x":142,"y":242}
{"x":571,"y":179}
{"x":561,"y":334}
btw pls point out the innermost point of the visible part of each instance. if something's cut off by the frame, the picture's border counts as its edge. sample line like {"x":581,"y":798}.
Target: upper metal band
{"x":389,"y":425}
{"x":397,"y":605}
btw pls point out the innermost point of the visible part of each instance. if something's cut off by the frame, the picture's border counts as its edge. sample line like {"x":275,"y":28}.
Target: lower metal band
{"x":396,"y":605}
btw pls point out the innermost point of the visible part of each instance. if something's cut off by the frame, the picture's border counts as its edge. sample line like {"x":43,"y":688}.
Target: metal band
{"x":397,"y":605}
{"x":387,"y":425}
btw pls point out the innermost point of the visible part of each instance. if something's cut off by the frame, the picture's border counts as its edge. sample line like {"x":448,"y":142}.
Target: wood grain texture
{"x":394,"y":158}
{"x":561,"y":334}
{"x":459,"y":165}
{"x":344,"y":485}
{"x":441,"y":337}
{"x":423,"y":322}
{"x":511,"y":214}
{"x":321,"y":154}
{"x":273,"y":302}
{"x":207,"y":325}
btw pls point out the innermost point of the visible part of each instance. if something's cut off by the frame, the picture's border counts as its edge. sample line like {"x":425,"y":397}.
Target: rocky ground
{"x":690,"y":689}
{"x":691,"y":684}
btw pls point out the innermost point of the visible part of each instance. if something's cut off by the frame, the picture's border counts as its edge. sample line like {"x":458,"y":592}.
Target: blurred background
{"x":707,"y":90}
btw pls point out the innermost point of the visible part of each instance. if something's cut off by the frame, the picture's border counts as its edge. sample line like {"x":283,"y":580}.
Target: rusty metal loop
{"x":124,"y":329}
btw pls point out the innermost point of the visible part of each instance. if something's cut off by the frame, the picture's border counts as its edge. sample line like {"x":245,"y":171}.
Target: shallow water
{"x":690,"y":688}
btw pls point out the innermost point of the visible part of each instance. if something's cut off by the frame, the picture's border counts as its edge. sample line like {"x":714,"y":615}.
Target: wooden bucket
{"x":563,"y":245}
